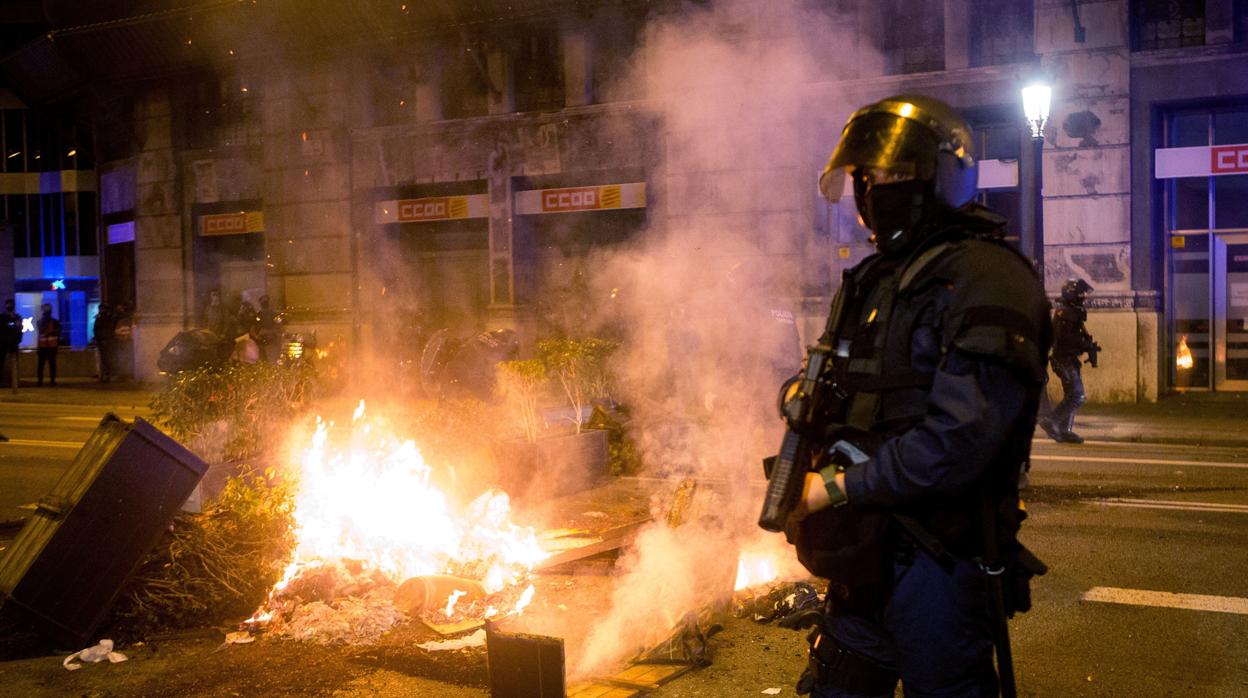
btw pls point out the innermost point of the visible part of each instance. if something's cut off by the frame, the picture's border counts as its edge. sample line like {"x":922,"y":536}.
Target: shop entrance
{"x":1210,"y":311}
{"x":1230,"y":311}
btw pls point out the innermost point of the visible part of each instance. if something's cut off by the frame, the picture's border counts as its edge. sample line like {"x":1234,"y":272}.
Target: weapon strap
{"x":994,"y":567}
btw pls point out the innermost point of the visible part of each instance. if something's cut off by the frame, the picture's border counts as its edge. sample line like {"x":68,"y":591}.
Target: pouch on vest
{"x":844,"y":545}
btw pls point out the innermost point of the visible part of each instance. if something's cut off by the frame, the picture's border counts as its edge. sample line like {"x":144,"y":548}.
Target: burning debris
{"x":377,"y":540}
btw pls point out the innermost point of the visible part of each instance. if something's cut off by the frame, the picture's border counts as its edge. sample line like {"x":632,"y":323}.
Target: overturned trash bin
{"x":88,"y":535}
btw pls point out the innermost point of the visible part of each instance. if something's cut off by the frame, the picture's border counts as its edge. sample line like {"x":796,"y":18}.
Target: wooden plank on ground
{"x":455,"y":628}
{"x":609,"y":539}
{"x":648,"y":676}
{"x":600,"y":690}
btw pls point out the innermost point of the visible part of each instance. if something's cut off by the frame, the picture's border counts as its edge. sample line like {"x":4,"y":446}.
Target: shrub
{"x":250,"y":404}
{"x":213,"y":566}
{"x":581,"y":365}
{"x":521,"y":383}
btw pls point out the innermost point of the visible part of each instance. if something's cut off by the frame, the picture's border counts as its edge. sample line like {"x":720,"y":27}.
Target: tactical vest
{"x":887,"y":315}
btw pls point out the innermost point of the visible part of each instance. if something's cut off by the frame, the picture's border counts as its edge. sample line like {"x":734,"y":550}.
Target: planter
{"x":552,"y":466}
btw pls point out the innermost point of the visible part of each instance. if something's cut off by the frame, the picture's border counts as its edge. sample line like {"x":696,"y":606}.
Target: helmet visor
{"x":883,"y":141}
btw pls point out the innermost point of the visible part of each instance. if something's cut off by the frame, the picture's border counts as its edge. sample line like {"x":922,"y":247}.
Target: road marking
{"x":1139,"y":461}
{"x":1165,"y":599}
{"x":1046,"y":441}
{"x":40,"y":442}
{"x":1172,"y":504}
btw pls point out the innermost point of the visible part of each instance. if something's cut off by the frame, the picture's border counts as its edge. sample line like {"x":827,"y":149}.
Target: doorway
{"x":1209,"y":311}
{"x":1230,"y":311}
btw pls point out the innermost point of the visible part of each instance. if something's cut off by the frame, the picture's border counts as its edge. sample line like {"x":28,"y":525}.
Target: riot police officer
{"x":939,"y":353}
{"x":1070,"y":341}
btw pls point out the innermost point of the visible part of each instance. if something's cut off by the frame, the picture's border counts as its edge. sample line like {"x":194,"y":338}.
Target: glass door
{"x":1230,"y":311}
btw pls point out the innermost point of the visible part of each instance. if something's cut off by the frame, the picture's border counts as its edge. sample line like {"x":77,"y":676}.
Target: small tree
{"x":520,"y":382}
{"x":581,"y":366}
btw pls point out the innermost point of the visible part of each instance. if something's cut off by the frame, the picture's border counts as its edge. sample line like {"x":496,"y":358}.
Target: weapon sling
{"x":994,"y":567}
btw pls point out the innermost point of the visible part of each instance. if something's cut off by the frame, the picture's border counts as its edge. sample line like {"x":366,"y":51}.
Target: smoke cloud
{"x":707,"y":298}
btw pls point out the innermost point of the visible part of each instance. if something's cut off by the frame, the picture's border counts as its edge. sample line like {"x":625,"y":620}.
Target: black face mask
{"x":894,"y":213}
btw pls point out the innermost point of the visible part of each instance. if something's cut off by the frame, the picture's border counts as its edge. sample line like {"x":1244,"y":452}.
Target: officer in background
{"x":1070,"y":341}
{"x":940,"y":358}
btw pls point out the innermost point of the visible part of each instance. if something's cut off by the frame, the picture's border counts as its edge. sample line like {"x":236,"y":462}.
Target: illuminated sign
{"x":576,"y":199}
{"x":121,"y":232}
{"x":433,"y":208}
{"x":1201,"y":161}
{"x":238,"y":223}
{"x":58,"y":285}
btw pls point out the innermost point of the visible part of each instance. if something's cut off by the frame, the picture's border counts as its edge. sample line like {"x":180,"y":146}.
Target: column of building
{"x":160,"y":237}
{"x":309,"y":237}
{"x":1086,"y":187}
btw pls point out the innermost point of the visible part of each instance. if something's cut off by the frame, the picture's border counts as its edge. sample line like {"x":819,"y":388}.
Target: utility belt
{"x":834,"y":666}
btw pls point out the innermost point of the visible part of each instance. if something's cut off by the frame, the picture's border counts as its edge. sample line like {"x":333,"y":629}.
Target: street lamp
{"x":1036,"y":98}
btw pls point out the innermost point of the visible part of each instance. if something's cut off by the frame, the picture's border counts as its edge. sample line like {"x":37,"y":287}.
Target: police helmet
{"x":914,"y":134}
{"x":1075,"y":290}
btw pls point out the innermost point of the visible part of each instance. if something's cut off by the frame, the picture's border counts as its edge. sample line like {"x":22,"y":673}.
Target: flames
{"x":368,"y":497}
{"x":1183,"y":355}
{"x":765,"y":559}
{"x":756,"y":569}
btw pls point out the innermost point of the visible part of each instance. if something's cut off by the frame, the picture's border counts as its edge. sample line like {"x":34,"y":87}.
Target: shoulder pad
{"x":997,"y":308}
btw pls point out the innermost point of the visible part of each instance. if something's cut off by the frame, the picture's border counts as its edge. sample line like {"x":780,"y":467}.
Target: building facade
{"x":463,"y":170}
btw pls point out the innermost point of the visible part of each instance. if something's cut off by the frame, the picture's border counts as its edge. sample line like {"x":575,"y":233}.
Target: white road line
{"x":1172,"y":504}
{"x":39,"y":442}
{"x":1139,"y":461}
{"x":1046,"y":441}
{"x":1165,"y":599}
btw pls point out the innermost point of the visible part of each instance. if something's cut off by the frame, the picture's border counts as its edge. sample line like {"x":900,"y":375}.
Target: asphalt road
{"x":43,"y":440}
{"x":1147,"y":595}
{"x":1115,"y":522}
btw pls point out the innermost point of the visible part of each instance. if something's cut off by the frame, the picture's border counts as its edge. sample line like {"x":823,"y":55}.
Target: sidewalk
{"x":1199,"y":419}
{"x":81,"y":391}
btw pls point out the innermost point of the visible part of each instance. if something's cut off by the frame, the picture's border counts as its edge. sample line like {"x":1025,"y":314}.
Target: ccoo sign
{"x":423,"y":210}
{"x":579,"y":199}
{"x":1227,"y":159}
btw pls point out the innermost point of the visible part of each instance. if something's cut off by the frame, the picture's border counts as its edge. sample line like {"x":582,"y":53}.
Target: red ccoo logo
{"x":1226,"y":159}
{"x":581,"y":199}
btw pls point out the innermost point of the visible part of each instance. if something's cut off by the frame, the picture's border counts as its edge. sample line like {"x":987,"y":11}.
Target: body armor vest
{"x":891,"y":327}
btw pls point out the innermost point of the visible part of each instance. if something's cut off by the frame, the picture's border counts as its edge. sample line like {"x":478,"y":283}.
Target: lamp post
{"x":1036,"y":98}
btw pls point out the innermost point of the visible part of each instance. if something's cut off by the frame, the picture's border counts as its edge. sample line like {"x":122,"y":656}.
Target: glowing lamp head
{"x":1036,"y":99}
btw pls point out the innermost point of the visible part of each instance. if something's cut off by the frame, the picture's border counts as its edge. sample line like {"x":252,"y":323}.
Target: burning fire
{"x":1183,"y":355}
{"x":755,"y":569}
{"x":367,"y":499}
{"x":765,"y":560}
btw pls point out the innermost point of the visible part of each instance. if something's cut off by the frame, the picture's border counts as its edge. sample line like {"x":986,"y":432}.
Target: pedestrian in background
{"x":105,"y":331}
{"x":10,"y":342}
{"x":47,"y":343}
{"x":1070,"y":341}
{"x":244,"y":318}
{"x":266,"y":331}
{"x":216,"y":318}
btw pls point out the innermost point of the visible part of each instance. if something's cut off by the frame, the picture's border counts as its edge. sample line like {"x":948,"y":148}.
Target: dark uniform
{"x":940,"y":354}
{"x":1070,"y":341}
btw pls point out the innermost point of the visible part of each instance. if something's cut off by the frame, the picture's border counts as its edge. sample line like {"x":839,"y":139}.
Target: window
{"x":394,"y":91}
{"x":1001,"y":32}
{"x":616,"y":53}
{"x":1207,"y":203}
{"x":539,"y":72}
{"x":1157,"y":24}
{"x":465,"y":81}
{"x":913,"y":38}
{"x":219,"y":112}
{"x":998,"y":137}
